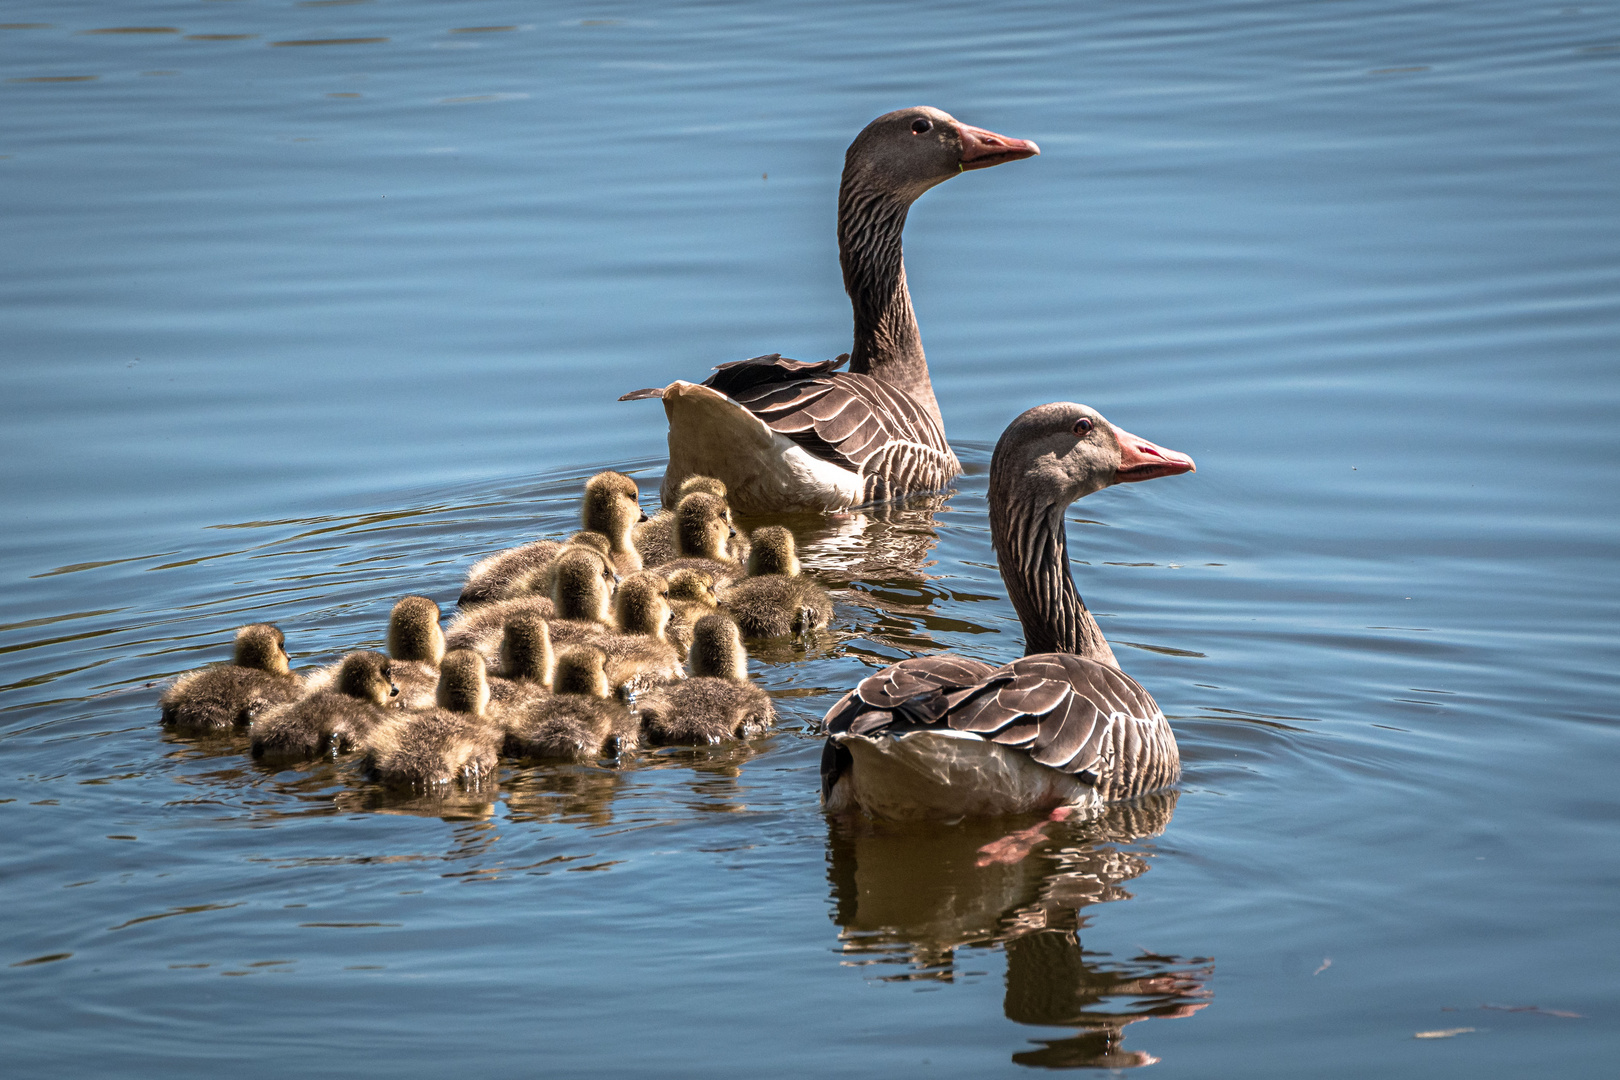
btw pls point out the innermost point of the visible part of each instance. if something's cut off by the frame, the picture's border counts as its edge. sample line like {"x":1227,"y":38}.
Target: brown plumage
{"x":945,"y":736}
{"x":481,"y":628}
{"x":453,"y":741}
{"x":612,"y":507}
{"x":718,"y":702}
{"x":775,"y":599}
{"x":225,"y":696}
{"x":578,"y":721}
{"x":339,"y":717}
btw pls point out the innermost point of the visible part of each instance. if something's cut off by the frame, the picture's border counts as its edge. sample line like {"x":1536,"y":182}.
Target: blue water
{"x":289,"y":330}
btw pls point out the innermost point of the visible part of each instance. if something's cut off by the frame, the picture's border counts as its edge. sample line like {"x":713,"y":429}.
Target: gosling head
{"x":581,"y":670}
{"x":693,"y":586}
{"x":462,"y":684}
{"x":592,"y":539}
{"x":773,"y":552}
{"x":364,"y":676}
{"x":717,"y":649}
{"x":582,"y":586}
{"x":526,"y":650}
{"x":707,"y":484}
{"x":703,"y":527}
{"x":641,"y":606}
{"x":413,"y":631}
{"x":262,"y":647}
{"x":612,"y":507}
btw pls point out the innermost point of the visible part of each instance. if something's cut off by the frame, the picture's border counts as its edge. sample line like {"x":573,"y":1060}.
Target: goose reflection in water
{"x":911,"y":894}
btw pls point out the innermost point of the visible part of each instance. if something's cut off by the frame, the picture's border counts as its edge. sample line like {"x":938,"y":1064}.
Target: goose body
{"x":784,"y":435}
{"x":225,"y":696}
{"x":946,"y":736}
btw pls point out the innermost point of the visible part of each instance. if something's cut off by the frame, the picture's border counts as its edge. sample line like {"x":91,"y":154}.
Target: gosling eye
{"x":1082,"y":426}
{"x":922,"y":126}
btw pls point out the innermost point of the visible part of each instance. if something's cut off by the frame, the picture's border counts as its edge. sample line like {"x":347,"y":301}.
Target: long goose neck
{"x":1032,"y":548}
{"x":888,"y":346}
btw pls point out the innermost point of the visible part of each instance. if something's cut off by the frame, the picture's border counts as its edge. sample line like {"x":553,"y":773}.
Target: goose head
{"x":703,"y":527}
{"x":526,"y":649}
{"x":612,"y":507}
{"x":1054,"y":454}
{"x":414,"y":632}
{"x":773,"y":552}
{"x":582,"y":585}
{"x":717,"y":649}
{"x":581,"y":670}
{"x":693,"y":586}
{"x":904,"y":153}
{"x":463,"y":685}
{"x":262,"y":647}
{"x":641,"y":604}
{"x":364,"y":676}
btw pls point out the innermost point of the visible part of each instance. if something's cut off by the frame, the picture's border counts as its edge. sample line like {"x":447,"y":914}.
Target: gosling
{"x":578,"y":721}
{"x":521,"y":571}
{"x":612,"y":507}
{"x":655,"y":538}
{"x":585,"y":554}
{"x":525,"y":671}
{"x":454,"y":741}
{"x":703,"y":538}
{"x":718,"y":702}
{"x":691,"y":596}
{"x":342,"y":717}
{"x":224,"y":696}
{"x":775,"y":599}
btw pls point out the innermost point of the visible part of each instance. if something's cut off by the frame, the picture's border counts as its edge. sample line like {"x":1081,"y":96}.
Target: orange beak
{"x":982,"y":149}
{"x":1142,"y":460}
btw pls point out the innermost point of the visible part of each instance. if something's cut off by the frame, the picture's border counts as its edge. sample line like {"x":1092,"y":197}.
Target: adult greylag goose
{"x":945,"y":736}
{"x":223,"y":696}
{"x":785,"y":435}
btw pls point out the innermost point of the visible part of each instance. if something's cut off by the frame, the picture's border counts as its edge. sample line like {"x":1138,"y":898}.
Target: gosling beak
{"x":644,"y":516}
{"x":1142,"y":460}
{"x":393,"y":691}
{"x":982,"y":149}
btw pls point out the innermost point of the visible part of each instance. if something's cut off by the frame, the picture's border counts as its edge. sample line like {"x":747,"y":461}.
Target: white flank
{"x":712,"y":435}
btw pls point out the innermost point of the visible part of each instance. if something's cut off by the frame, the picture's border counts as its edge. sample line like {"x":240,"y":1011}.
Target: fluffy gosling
{"x":335,"y":718}
{"x":438,"y":746}
{"x":578,"y":721}
{"x":612,"y":507}
{"x":775,"y":599}
{"x":718,"y":702}
{"x":225,"y":696}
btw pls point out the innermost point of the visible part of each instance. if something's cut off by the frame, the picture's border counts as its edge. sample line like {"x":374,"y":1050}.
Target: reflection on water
{"x":912,"y":895}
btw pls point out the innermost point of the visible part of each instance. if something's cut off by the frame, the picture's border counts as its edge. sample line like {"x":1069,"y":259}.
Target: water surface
{"x":291,"y":329}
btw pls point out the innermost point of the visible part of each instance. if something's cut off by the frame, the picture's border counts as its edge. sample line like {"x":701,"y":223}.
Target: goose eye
{"x":1081,"y":426}
{"x":922,"y":125}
